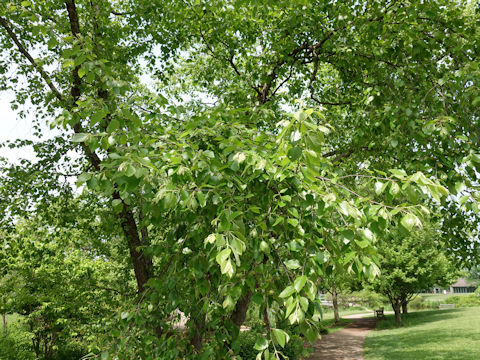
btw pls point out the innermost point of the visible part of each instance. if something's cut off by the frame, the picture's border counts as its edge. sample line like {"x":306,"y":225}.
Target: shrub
{"x":463,"y":300}
{"x":365,"y":298}
{"x":292,"y":350}
{"x":16,"y":344}
{"x":420,"y":303}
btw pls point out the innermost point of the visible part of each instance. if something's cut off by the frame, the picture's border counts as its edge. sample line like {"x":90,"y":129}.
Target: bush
{"x":420,"y":303}
{"x":292,"y":350}
{"x":16,"y":344}
{"x":463,"y":300}
{"x":365,"y":298}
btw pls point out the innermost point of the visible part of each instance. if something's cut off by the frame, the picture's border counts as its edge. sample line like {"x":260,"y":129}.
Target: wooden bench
{"x":379,"y":313}
{"x":446,"y":306}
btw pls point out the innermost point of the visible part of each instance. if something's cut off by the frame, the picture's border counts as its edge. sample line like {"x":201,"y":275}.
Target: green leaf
{"x":292,"y":264}
{"x":227,"y":268}
{"x":261,"y":343}
{"x":223,"y":255}
{"x":210,"y":239}
{"x":409,"y":221}
{"x":83,"y":178}
{"x":97,"y":117}
{"x":280,"y":336}
{"x":394,"y":189}
{"x":398,"y":173}
{"x":294,"y":153}
{"x":288,"y":291}
{"x":295,"y":136}
{"x":81,"y":72}
{"x":293,"y":222}
{"x":380,"y":187}
{"x":80,"y":137}
{"x":299,"y":283}
{"x":113,"y":125}
{"x":278,"y":221}
{"x":459,"y":187}
{"x":311,"y":335}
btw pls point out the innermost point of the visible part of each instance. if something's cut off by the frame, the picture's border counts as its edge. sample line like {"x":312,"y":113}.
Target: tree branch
{"x":4,"y":22}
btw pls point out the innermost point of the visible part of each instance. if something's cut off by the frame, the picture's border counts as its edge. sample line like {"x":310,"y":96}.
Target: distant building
{"x":462,"y":286}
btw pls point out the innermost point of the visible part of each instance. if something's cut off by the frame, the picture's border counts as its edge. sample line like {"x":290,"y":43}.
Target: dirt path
{"x":346,"y":343}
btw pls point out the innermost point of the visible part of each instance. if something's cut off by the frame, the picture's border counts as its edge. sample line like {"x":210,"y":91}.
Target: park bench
{"x":446,"y":306}
{"x":379,"y":313}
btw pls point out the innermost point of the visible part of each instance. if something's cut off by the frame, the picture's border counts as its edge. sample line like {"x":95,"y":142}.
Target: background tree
{"x":410,"y":262}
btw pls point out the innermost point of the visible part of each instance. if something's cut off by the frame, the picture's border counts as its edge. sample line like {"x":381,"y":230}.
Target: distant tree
{"x":60,"y":284}
{"x":409,"y":263}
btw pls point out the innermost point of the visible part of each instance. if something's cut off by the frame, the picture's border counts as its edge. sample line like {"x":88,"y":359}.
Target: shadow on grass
{"x":418,"y":317}
{"x":424,"y":342}
{"x":412,"y":345}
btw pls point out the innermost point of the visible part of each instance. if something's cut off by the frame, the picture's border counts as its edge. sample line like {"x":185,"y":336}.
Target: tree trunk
{"x":197,"y":337}
{"x":240,"y":313}
{"x":4,"y":318}
{"x":404,"y":307}
{"x":335,"y":304}
{"x":396,"y":308}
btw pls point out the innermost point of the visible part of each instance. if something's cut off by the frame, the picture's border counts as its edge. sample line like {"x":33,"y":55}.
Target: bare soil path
{"x":346,"y":344}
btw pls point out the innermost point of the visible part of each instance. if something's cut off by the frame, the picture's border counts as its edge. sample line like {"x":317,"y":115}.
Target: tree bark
{"x":4,"y":318}
{"x":396,"y":308}
{"x":240,"y":313}
{"x":142,"y":265}
{"x":197,"y":337}
{"x":404,"y":307}
{"x":335,"y":304}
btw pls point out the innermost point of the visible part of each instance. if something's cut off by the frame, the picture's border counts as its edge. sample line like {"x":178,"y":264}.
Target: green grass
{"x":331,"y":327}
{"x":440,"y":334}
{"x":329,"y":322}
{"x":328,"y":314}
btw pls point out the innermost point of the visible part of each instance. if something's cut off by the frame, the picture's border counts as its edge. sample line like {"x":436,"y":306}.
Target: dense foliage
{"x":228,"y":153}
{"x":411,"y":263}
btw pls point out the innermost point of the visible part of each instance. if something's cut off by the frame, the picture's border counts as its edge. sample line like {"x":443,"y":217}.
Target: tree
{"x":409,"y":263}
{"x":223,"y":204}
{"x":57,"y":280}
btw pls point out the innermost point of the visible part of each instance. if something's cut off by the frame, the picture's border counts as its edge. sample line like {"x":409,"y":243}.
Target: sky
{"x":13,"y":127}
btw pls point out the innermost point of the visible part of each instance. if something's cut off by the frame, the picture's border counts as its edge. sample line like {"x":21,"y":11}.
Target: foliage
{"x":366,"y":298}
{"x":247,"y":350}
{"x":54,"y":285}
{"x":16,"y":343}
{"x":214,"y":188}
{"x":410,"y":263}
{"x":463,"y":300}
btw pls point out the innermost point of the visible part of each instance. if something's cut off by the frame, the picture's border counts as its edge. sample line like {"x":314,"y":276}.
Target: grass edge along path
{"x":437,"y":334}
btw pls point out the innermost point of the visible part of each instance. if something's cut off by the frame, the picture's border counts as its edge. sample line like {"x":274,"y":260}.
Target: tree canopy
{"x":238,"y":150}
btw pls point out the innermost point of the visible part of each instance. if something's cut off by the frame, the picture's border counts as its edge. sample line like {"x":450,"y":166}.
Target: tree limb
{"x":5,"y":23}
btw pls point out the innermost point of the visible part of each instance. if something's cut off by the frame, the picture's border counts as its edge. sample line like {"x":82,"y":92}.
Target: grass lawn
{"x":440,"y":334}
{"x":328,"y":313}
{"x":328,"y":318}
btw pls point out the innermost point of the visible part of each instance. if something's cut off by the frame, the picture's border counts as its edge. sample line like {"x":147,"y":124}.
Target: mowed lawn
{"x":440,"y":334}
